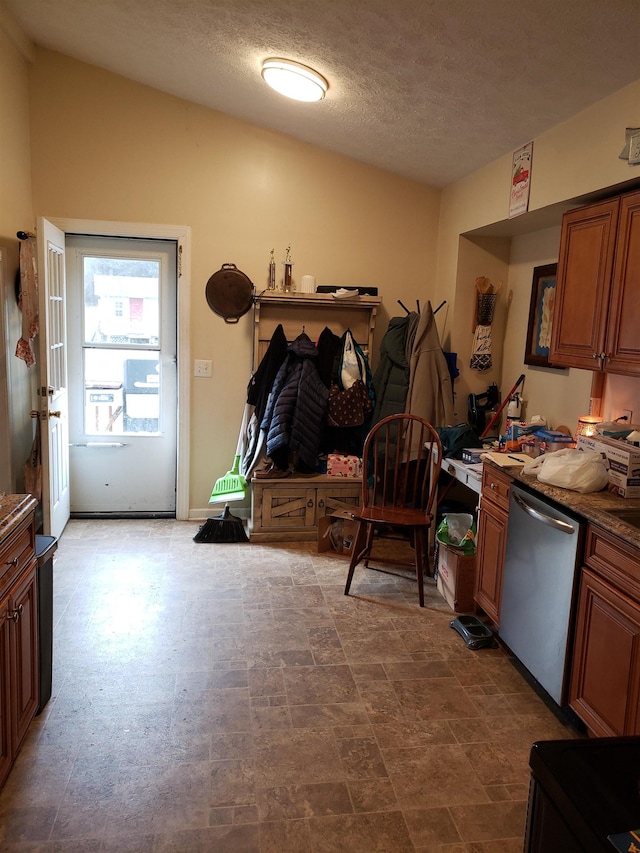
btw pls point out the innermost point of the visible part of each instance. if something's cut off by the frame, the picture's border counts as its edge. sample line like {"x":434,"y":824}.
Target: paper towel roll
{"x":308,"y":284}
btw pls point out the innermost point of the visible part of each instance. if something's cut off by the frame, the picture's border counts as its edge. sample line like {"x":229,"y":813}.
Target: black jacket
{"x":297,"y":404}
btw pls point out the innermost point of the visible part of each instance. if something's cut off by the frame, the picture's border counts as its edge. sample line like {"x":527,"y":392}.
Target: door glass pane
{"x":122,"y":391}
{"x":121,"y":301}
{"x":121,"y":334}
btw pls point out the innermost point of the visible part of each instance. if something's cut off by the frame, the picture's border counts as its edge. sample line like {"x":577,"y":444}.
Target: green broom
{"x":231,"y":487}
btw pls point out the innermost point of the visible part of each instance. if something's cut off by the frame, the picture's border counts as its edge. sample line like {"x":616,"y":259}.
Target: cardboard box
{"x":343,"y":466}
{"x":456,"y":578}
{"x":624,"y":463}
{"x":340,"y":540}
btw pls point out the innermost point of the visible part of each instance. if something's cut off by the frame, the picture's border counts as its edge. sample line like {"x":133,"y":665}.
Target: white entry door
{"x":122,"y":375}
{"x":53,"y":379}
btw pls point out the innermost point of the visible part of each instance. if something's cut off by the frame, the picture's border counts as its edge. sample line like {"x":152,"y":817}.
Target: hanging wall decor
{"x":543,"y":295}
{"x":486,"y":295}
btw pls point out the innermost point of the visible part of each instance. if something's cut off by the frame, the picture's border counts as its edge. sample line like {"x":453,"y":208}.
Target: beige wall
{"x":17,"y":383}
{"x":107,"y":148}
{"x":571,"y":161}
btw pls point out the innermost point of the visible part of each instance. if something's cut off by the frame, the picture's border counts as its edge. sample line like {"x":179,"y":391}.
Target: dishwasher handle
{"x":556,"y":523}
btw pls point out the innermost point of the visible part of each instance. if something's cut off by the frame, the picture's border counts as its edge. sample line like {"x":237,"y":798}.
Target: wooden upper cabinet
{"x":585,"y":270}
{"x":623,"y":342}
{"x":598,"y":288}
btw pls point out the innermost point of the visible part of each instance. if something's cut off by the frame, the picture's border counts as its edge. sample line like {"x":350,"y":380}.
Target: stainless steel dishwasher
{"x":543,"y":547}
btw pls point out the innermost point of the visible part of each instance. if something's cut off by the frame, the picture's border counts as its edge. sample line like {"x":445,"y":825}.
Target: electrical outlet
{"x":202,"y":367}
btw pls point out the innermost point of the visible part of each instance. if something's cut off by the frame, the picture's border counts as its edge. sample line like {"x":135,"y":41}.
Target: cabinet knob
{"x":492,"y":486}
{"x":14,"y":563}
{"x":309,"y":503}
{"x":321,"y":503}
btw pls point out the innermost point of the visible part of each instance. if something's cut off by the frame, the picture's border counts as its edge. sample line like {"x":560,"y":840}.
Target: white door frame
{"x":182,"y":235}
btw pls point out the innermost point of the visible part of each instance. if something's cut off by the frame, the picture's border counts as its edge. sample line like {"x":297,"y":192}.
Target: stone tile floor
{"x":229,"y":697}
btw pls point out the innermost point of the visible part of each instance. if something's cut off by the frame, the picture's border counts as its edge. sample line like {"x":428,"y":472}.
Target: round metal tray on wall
{"x":229,"y":293}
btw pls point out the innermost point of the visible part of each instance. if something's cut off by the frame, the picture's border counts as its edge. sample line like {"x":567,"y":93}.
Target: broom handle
{"x":243,"y":431}
{"x":502,"y":405}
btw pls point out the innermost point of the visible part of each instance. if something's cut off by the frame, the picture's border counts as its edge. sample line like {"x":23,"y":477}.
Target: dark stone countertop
{"x":13,"y":510}
{"x":594,"y":507}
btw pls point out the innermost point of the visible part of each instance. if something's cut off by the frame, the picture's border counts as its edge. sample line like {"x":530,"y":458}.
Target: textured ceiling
{"x":428,"y":89}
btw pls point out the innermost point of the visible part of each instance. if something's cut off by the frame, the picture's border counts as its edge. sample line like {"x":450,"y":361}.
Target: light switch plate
{"x":634,"y":150}
{"x":202,"y":367}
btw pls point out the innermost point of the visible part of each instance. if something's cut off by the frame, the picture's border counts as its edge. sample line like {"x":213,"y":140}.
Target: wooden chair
{"x":400,"y":466}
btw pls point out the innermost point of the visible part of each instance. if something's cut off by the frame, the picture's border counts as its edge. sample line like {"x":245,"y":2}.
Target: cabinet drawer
{"x":16,"y":552}
{"x":613,"y":559}
{"x":495,"y":486}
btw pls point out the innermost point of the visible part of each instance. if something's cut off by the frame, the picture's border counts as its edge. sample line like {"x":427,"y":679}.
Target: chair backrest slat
{"x":400,"y":468}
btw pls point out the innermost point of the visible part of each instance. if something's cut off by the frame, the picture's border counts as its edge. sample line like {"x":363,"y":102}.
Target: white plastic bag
{"x":351,"y":364}
{"x":578,"y":470}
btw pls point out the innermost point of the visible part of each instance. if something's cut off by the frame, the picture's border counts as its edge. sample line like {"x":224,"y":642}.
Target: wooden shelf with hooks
{"x":311,"y":312}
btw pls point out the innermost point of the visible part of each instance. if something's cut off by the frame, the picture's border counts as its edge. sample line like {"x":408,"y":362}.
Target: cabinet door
{"x":24,"y":655}
{"x":5,"y":712}
{"x":585,"y":270}
{"x":330,"y":499}
{"x":290,"y":507}
{"x":605,"y":677}
{"x":492,"y":539}
{"x":623,"y":344}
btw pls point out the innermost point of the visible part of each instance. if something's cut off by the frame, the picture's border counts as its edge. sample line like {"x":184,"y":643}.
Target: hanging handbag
{"x":352,"y":362}
{"x":348,"y":407}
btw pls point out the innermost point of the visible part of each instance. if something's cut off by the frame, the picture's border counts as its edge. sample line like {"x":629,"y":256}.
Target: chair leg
{"x":359,"y":550}
{"x":418,"y":536}
{"x":371,"y":529}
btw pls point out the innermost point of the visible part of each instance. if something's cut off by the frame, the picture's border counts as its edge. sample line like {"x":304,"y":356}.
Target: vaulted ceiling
{"x":428,"y":89}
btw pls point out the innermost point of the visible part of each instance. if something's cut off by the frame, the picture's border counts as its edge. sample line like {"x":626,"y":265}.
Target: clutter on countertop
{"x":634,"y":438}
{"x":578,"y":470}
{"x":616,"y":429}
{"x":506,"y":460}
{"x":623,"y":460}
{"x":599,"y":508}
{"x":550,"y":441}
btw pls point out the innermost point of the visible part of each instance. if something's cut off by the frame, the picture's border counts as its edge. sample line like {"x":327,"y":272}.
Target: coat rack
{"x":402,"y":305}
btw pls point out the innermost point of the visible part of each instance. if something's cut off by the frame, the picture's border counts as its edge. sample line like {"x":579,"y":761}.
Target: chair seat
{"x":393,"y":516}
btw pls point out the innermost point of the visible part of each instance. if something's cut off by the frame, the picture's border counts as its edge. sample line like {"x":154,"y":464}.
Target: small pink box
{"x":343,"y":466}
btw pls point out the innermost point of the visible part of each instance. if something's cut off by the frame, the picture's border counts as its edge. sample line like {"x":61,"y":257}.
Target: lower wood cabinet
{"x":289,"y":509}
{"x":18,"y":643}
{"x":491,"y":540}
{"x":605,"y":684}
{"x":605,"y":674}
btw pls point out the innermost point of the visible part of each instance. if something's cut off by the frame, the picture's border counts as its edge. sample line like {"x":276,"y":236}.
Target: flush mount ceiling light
{"x":294,"y":79}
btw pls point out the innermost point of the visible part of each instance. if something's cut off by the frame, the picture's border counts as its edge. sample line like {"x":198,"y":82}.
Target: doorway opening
{"x":122,"y":350}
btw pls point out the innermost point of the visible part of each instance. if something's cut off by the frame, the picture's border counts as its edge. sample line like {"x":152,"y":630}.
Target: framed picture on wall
{"x":543,"y":296}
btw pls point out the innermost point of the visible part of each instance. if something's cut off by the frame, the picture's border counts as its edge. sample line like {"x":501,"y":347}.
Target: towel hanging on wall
{"x":28,"y":299}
